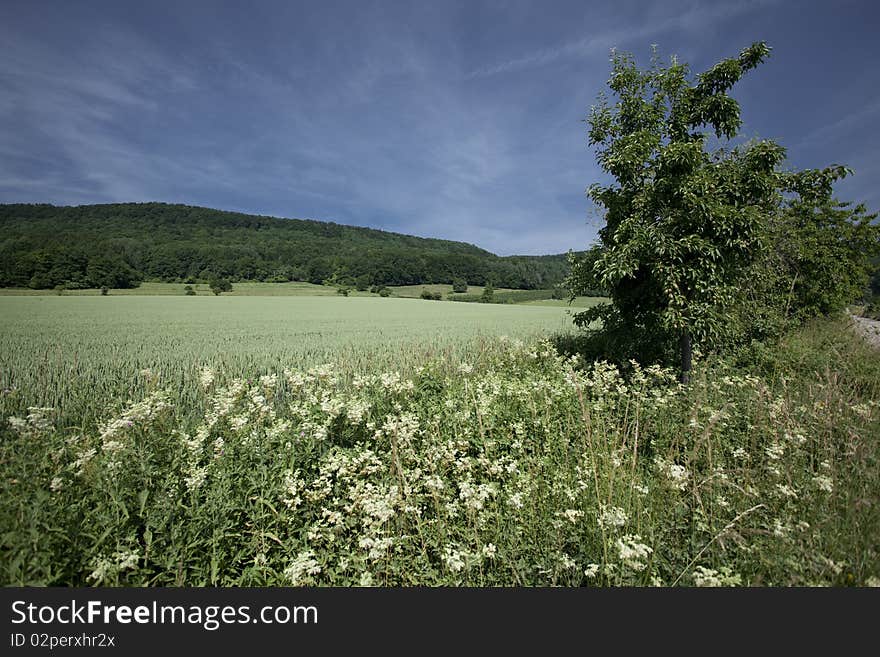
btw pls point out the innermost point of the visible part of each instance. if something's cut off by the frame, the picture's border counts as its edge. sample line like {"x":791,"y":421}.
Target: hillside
{"x":119,"y":245}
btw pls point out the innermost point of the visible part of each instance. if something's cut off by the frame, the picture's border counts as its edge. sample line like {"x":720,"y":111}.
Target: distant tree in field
{"x":488,"y":294}
{"x":343,"y":290}
{"x":362,"y":282}
{"x":384,"y":292}
{"x":189,"y":291}
{"x":459,"y":285}
{"x":104,"y":290}
{"x":430,"y":296}
{"x":220,"y":285}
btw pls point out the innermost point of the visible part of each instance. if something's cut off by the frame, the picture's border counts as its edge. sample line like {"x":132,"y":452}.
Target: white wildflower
{"x":454,"y":559}
{"x":206,"y":377}
{"x":515,"y":500}
{"x":633,"y":552}
{"x":302,"y":569}
{"x":786,"y":491}
{"x":572,"y":515}
{"x":715,"y":578}
{"x":774,"y":451}
{"x":824,"y":483}
{"x":677,"y":475}
{"x":612,"y":516}
{"x":591,"y":570}
{"x":740,"y":454}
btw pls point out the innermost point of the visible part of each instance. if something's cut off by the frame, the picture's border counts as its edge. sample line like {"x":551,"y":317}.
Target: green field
{"x":249,"y":288}
{"x":301,"y":289}
{"x":77,"y":354}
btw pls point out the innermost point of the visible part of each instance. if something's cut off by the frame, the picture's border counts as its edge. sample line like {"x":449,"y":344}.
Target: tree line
{"x":119,"y":245}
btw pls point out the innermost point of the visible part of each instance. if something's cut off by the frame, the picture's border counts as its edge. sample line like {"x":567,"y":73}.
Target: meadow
{"x":256,"y":441}
{"x":78,"y":353}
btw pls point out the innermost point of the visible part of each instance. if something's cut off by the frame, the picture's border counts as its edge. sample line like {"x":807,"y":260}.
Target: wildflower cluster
{"x":522,"y":467}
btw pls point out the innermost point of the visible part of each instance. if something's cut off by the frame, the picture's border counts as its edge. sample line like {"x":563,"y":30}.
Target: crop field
{"x":258,"y":441}
{"x":240,"y":289}
{"x":76,"y":354}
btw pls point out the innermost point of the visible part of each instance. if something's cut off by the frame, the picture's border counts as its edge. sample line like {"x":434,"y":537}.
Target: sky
{"x":457,"y":120}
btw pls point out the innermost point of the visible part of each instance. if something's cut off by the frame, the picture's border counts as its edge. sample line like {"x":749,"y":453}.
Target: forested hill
{"x":119,"y":245}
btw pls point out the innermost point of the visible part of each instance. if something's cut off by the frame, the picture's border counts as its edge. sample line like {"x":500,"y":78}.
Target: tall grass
{"x":503,"y":464}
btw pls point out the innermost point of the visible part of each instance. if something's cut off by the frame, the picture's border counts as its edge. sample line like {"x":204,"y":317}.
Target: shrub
{"x":220,"y":285}
{"x":459,"y":286}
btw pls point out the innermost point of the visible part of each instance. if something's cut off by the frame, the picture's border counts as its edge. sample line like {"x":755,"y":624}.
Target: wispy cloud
{"x":842,"y":127}
{"x":695,"y":17}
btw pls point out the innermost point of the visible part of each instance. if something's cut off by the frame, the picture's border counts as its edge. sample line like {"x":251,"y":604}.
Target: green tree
{"x":488,"y":294}
{"x":459,"y":285}
{"x":362,"y":282}
{"x":220,"y":285}
{"x":682,"y":224}
{"x":826,"y":247}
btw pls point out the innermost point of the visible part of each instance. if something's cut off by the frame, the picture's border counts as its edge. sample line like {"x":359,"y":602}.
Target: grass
{"x":430,"y":452}
{"x":414,"y":291}
{"x":247,"y":288}
{"x":79,"y":353}
{"x":299,"y":289}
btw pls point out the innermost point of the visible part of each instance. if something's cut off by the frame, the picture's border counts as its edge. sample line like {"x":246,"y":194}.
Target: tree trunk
{"x":687,"y":352}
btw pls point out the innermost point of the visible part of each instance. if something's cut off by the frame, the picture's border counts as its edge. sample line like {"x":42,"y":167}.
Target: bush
{"x":220,"y":285}
{"x":430,"y":296}
{"x":459,"y":286}
{"x":104,"y":290}
{"x":343,"y":291}
{"x":488,"y":294}
{"x":189,"y":291}
{"x":384,"y":292}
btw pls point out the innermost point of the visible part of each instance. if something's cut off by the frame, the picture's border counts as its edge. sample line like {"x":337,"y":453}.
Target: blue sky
{"x":460,"y":120}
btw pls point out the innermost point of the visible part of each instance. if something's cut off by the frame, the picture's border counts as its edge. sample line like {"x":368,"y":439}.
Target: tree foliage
{"x":686,"y":225}
{"x":119,"y":245}
{"x":219,"y":285}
